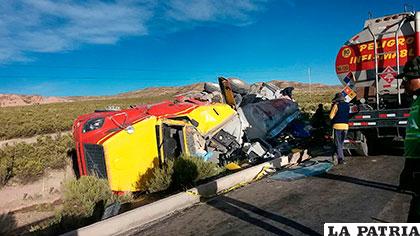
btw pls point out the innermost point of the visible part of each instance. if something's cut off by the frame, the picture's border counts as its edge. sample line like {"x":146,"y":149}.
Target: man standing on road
{"x":319,"y":124}
{"x":339,"y":116}
{"x":318,"y":119}
{"x":410,"y":176}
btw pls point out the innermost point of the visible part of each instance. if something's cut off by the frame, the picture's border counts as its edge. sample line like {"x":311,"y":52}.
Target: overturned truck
{"x":226,"y":122}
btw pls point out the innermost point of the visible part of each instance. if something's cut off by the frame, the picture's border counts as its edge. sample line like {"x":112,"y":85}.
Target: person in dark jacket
{"x":318,"y":119}
{"x":339,"y":116}
{"x":319,"y":124}
{"x":410,"y":176}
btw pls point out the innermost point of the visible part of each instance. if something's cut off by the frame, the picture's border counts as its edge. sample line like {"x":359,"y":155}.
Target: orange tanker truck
{"x":368,"y":65}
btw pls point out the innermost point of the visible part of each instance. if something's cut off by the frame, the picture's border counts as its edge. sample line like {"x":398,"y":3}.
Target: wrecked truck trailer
{"x":225,"y":122}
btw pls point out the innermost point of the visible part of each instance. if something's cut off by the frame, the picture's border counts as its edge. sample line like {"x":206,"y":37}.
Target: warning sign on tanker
{"x":388,"y":74}
{"x":348,"y":93}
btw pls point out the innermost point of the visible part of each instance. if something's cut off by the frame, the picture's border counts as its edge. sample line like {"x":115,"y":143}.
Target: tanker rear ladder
{"x":376,"y":54}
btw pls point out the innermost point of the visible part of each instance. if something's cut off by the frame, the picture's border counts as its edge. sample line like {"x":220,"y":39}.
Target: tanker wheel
{"x":362,"y":149}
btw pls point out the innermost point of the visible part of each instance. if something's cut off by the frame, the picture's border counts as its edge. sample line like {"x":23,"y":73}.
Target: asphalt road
{"x":363,"y":190}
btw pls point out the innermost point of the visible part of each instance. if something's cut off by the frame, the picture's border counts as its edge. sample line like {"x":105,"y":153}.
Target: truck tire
{"x":362,"y":149}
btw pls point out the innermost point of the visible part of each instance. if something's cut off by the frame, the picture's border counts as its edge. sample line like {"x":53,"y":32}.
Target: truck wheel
{"x":362,"y":149}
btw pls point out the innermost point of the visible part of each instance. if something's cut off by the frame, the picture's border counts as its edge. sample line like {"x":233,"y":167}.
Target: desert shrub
{"x":5,"y":167}
{"x":181,"y":173}
{"x":27,"y":168}
{"x":84,"y":201}
{"x":55,"y":150}
{"x":205,"y":169}
{"x":160,"y":178}
{"x":185,"y":173}
{"x":308,"y":101}
{"x":28,"y":161}
{"x":82,"y":195}
{"x":21,"y":162}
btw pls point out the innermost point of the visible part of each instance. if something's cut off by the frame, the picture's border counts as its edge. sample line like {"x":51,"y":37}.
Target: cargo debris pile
{"x":226,"y":122}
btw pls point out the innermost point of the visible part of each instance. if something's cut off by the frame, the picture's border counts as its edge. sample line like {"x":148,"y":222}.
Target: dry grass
{"x":84,"y":202}
{"x":28,"y":162}
{"x":27,"y":121}
{"x":308,"y":101}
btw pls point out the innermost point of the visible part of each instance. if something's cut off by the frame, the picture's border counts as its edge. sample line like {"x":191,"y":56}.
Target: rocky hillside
{"x":8,"y":100}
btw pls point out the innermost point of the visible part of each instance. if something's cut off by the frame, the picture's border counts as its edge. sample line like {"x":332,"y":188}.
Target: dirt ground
{"x":26,"y":204}
{"x":363,"y":190}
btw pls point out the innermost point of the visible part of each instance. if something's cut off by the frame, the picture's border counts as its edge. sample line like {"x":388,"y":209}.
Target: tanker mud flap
{"x":356,"y":144}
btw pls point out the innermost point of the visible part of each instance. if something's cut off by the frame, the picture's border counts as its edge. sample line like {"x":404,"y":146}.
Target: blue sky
{"x":97,"y":47}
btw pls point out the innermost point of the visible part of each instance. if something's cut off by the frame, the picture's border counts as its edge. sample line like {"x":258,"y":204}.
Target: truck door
{"x":171,"y":140}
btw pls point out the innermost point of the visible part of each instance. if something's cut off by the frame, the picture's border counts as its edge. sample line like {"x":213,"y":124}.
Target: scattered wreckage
{"x":226,"y":122}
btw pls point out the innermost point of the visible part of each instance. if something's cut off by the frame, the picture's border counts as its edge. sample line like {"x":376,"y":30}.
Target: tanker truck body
{"x":369,"y":64}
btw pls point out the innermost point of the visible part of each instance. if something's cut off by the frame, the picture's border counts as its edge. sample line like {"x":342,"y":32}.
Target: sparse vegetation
{"x":27,"y":121}
{"x":28,"y":162}
{"x":185,"y":173}
{"x":6,"y":165}
{"x":308,"y":101}
{"x":182,"y":173}
{"x":204,"y":168}
{"x":81,"y":196}
{"x":84,"y":202}
{"x":160,"y":178}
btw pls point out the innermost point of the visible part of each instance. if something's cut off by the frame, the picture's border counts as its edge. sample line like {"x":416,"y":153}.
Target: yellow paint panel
{"x":211,"y":117}
{"x":130,"y":155}
{"x":232,"y":166}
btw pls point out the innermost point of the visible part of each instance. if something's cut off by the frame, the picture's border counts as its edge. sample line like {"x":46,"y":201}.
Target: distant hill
{"x":153,"y":91}
{"x":7,"y":100}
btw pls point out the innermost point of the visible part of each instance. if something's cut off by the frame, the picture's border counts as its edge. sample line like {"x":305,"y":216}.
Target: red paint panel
{"x":115,"y":121}
{"x":360,"y":57}
{"x":80,"y":160}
